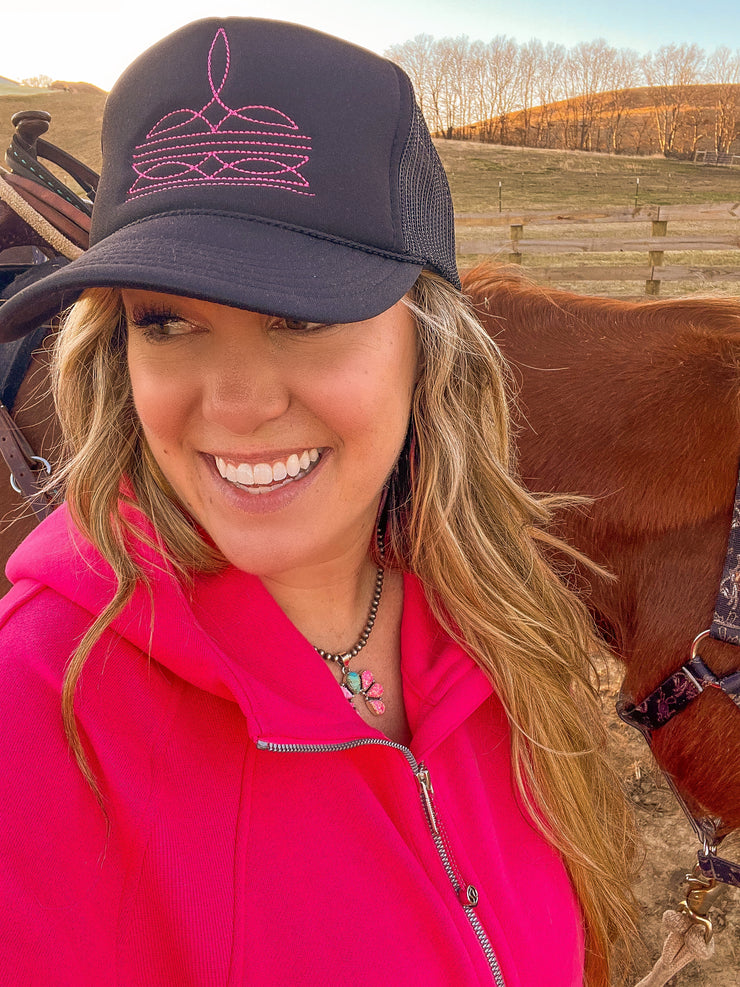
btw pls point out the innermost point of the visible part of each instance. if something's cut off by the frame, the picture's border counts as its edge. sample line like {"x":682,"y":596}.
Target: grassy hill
{"x":76,"y":118}
{"x":14,"y":89}
{"x":623,"y":120}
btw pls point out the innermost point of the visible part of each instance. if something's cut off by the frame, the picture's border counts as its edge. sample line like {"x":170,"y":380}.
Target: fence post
{"x":516,"y":231}
{"x":655,"y":257}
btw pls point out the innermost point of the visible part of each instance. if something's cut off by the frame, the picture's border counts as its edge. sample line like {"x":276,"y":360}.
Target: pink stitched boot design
{"x":217,"y":145}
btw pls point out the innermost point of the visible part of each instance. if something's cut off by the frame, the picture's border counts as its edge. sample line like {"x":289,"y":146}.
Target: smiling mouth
{"x":259,"y":478}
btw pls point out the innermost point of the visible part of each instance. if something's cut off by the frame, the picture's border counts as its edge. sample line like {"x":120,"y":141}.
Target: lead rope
{"x":684,"y":942}
{"x":687,"y":930}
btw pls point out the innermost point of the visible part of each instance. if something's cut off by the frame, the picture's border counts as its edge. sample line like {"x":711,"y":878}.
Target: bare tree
{"x":723,"y":72}
{"x":495,"y":82}
{"x":545,"y":95}
{"x":530,"y":64}
{"x":549,"y":91}
{"x":589,"y":67}
{"x":452,"y":89}
{"x":669,"y":72}
{"x":623,"y":75}
{"x":37,"y":81}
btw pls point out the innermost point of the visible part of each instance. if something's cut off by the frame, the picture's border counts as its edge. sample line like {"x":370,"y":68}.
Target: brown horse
{"x":637,"y":406}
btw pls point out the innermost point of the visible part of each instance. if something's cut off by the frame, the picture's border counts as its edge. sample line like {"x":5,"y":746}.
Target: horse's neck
{"x":625,"y":401}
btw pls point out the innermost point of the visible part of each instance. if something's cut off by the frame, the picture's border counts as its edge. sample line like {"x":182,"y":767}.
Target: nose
{"x":245,"y":384}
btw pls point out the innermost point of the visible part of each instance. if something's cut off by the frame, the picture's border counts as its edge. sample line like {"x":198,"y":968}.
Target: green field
{"x":529,"y":179}
{"x":539,"y":179}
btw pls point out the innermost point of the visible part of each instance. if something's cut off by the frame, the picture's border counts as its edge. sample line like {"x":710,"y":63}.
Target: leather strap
{"x":22,"y":160}
{"x":63,"y":216}
{"x":684,"y":685}
{"x":19,"y":456}
{"x":85,"y":177}
{"x":60,"y":244}
{"x":721,"y":870}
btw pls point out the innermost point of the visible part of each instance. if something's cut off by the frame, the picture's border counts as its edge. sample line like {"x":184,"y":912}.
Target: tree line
{"x":590,"y":97}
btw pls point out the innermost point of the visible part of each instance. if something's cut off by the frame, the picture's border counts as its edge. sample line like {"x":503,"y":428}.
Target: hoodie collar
{"x":228,"y":636}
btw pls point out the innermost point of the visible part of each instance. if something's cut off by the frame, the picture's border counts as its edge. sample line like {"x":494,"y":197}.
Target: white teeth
{"x":244,"y":474}
{"x":263,"y":474}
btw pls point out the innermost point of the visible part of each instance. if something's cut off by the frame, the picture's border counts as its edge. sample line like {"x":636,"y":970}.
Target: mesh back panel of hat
{"x":426,"y":210}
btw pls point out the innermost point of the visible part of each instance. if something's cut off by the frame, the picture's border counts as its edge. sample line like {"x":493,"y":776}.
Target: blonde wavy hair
{"x":457,"y":518}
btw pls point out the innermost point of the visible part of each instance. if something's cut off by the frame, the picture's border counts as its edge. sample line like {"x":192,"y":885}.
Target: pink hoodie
{"x":259,"y":832}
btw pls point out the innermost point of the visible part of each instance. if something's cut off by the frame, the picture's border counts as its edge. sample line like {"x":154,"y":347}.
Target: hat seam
{"x":396,"y":157}
{"x":315,"y":234}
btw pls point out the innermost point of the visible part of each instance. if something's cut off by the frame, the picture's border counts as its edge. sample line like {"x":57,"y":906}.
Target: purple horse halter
{"x":676,"y":692}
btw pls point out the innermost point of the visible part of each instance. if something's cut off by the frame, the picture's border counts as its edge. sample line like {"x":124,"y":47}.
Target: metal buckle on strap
{"x":703,"y":677}
{"x":45,"y":465}
{"x":701,"y":892}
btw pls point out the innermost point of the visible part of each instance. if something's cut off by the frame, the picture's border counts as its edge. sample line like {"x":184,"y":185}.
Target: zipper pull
{"x":468,"y":895}
{"x":425,"y":784}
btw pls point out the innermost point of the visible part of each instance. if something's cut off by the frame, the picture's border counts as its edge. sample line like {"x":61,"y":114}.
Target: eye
{"x":297,"y":325}
{"x":158,"y":324}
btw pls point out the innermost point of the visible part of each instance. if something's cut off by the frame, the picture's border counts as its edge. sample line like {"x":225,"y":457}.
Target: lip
{"x":272,"y":498}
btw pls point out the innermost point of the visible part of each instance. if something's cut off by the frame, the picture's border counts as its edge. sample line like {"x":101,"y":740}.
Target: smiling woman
{"x":308,"y":418}
{"x":312,"y":664}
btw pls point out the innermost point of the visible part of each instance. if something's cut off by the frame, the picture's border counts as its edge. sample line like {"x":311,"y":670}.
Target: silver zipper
{"x":466,"y":894}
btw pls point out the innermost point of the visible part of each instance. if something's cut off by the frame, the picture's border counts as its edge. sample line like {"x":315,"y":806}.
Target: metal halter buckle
{"x":45,"y":465}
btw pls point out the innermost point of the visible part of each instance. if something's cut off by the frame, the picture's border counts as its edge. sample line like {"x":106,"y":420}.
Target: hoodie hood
{"x":226,"y":635}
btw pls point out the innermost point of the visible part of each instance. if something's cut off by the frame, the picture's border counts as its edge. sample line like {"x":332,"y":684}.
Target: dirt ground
{"x":668,"y":852}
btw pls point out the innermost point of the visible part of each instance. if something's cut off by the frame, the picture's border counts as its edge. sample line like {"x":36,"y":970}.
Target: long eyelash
{"x":151,"y":322}
{"x":154,"y":314}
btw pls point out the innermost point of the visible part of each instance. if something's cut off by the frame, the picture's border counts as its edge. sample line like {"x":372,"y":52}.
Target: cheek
{"x":371,"y":405}
{"x":161,"y":403}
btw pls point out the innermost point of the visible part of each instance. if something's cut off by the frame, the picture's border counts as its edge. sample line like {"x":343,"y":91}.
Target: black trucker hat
{"x":262,"y":165}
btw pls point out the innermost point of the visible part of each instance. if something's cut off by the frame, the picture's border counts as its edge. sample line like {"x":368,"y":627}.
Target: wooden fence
{"x":654,"y":219}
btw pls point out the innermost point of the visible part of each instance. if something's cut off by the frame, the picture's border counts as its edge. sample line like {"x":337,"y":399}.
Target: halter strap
{"x":675,"y":693}
{"x":726,"y":620}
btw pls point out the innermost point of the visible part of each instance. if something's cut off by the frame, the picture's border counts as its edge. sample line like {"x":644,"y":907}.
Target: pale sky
{"x":80,"y":40}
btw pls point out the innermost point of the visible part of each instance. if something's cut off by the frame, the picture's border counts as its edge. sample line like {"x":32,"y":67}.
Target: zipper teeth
{"x":475,"y":922}
{"x":345,"y":745}
{"x":486,"y":945}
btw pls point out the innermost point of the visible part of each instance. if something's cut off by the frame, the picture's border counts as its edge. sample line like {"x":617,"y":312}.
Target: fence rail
{"x":715,"y":158}
{"x":515,"y":247}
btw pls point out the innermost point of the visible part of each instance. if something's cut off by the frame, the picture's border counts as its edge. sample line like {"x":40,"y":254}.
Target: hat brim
{"x":223,"y":258}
